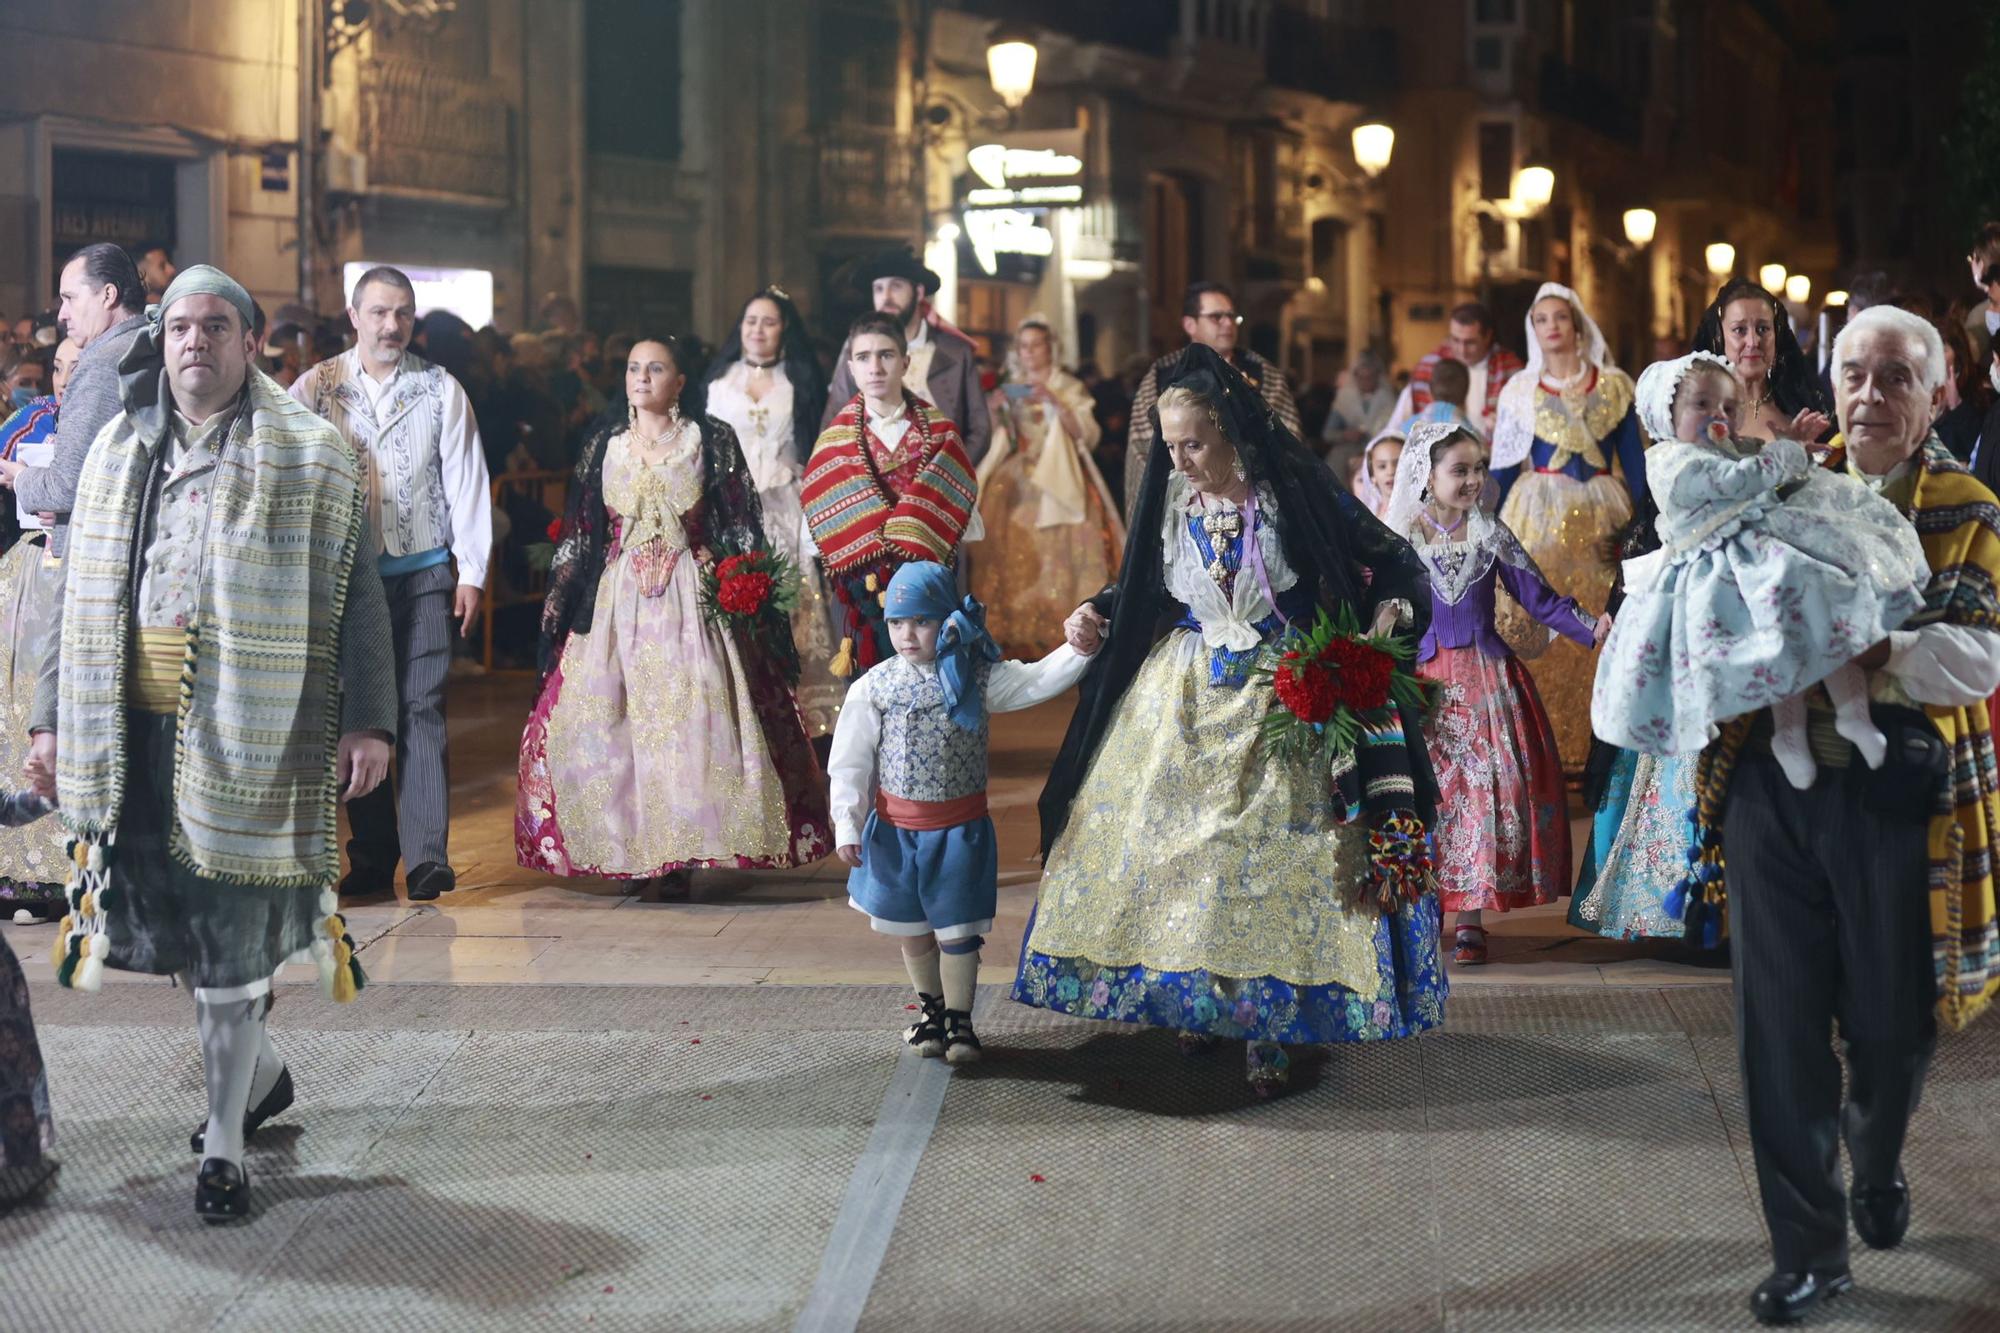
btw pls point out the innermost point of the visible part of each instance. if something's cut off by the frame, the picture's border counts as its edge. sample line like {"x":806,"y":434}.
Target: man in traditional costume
{"x":941,"y":367}
{"x":1209,"y":318}
{"x":429,"y":505}
{"x":889,"y":482}
{"x":1468,"y":338}
{"x":1869,"y":897}
{"x":225,"y":677}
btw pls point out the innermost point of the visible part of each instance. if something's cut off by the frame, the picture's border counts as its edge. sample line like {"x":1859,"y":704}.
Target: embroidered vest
{"x":398,"y":449}
{"x":924,"y":756}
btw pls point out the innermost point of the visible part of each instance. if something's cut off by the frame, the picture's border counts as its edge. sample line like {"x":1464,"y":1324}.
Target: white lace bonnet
{"x":1514,"y":416}
{"x":1659,"y":382}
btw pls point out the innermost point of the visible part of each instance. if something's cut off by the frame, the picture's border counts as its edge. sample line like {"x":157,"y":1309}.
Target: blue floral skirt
{"x":1207,"y":885}
{"x":1253,"y":1008}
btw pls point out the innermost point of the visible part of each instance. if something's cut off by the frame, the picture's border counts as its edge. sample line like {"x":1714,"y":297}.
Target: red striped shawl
{"x":858,"y":520}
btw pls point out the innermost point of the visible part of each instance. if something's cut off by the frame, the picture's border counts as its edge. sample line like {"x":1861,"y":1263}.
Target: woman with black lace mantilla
{"x":1196,"y":879}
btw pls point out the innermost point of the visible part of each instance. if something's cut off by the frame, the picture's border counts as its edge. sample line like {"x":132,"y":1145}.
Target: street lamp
{"x":1374,"y":144}
{"x":1641,"y":225}
{"x":1010,"y":64}
{"x":1721,"y":257}
{"x":1772,"y":277}
{"x":1798,"y":289}
{"x":1534,"y":186}
{"x":1836,"y":297}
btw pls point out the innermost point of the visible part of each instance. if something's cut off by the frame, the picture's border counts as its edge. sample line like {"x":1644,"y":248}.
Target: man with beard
{"x":413,"y":430}
{"x":941,"y":369}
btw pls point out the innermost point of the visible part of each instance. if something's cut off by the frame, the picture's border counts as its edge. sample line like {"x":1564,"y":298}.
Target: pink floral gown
{"x":655,"y":745}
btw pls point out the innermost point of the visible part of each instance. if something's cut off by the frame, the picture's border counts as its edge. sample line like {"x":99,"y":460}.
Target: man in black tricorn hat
{"x":942,"y":371}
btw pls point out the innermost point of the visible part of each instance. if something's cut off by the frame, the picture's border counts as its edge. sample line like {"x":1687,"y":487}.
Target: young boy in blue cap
{"x":926,"y":863}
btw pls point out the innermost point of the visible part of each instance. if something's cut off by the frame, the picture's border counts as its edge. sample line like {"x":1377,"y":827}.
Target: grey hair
{"x":1914,"y":328}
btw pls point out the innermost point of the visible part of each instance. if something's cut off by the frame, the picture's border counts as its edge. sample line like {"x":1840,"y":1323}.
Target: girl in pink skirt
{"x":1503,"y":829}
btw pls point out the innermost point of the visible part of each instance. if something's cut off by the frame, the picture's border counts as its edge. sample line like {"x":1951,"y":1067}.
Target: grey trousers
{"x":409,"y":813}
{"x":1829,"y":914}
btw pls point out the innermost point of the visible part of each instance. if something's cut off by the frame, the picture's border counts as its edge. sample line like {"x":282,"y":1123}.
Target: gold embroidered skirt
{"x":1564,"y":524}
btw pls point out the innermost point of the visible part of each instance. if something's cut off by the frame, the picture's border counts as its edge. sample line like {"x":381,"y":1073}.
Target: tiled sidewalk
{"x":761,"y":1157}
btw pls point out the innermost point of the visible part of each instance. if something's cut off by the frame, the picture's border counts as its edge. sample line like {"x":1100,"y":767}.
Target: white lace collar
{"x":1457,"y":567}
{"x":1228,"y":620}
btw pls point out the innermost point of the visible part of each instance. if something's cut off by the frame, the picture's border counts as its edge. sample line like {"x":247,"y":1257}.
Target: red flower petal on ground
{"x":695,"y":1042}
{"x":706,"y":1097}
{"x":1037,"y":1179}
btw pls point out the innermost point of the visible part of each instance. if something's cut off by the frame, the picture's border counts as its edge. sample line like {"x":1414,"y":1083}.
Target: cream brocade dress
{"x":764,"y":428}
{"x":654,"y":756}
{"x":1053,"y":535}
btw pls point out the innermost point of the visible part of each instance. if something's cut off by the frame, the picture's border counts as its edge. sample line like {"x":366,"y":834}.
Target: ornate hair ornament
{"x":775,"y":290}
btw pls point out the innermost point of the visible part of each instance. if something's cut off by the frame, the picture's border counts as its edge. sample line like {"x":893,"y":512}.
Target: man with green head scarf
{"x":219,"y":680}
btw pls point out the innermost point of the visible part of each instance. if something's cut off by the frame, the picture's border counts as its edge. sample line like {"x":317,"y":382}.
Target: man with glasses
{"x":1208,"y":315}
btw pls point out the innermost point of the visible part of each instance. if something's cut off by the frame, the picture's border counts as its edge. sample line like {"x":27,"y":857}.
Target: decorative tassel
{"x":842,"y":665}
{"x":1400,"y":868}
{"x":344,"y":986}
{"x":62,"y":941}
{"x":872,"y":583}
{"x":72,"y":955}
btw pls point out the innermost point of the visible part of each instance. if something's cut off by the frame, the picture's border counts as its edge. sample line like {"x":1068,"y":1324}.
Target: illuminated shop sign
{"x":1010,"y":231}
{"x":1010,"y":188}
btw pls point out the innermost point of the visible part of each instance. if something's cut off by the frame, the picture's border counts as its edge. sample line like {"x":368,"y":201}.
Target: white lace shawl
{"x":1228,"y":620}
{"x":1514,"y":414}
{"x":1457,"y":567}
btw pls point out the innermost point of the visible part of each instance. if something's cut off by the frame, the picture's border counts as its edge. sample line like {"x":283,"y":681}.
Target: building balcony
{"x":865,"y":180}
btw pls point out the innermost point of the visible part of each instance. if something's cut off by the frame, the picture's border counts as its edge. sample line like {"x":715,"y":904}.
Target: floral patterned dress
{"x":1503,"y":825}
{"x":1753,"y":595}
{"x":1202,"y":884}
{"x":650,"y":748}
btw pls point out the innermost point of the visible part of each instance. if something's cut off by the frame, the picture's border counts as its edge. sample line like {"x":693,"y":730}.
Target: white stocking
{"x":1848,"y":688}
{"x":232,"y":1031}
{"x":1789,"y":745}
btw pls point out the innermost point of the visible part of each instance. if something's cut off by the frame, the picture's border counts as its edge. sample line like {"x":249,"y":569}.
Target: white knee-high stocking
{"x":232,"y":1033}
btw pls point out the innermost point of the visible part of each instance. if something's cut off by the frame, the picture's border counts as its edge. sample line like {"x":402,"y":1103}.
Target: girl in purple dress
{"x":1503,"y":829}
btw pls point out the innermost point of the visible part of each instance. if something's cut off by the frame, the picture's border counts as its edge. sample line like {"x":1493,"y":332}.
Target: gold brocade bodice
{"x":650,"y":498}
{"x":1576,"y":423}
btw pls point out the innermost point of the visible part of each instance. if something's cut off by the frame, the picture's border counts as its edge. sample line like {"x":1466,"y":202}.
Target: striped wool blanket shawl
{"x":858,"y":521}
{"x":258,"y":725}
{"x":1958,"y":524}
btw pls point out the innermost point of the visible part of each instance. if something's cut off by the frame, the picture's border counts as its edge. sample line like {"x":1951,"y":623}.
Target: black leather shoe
{"x":1881,"y":1213}
{"x":1786,"y":1298}
{"x":278,"y":1099}
{"x":221,"y":1192}
{"x":430,"y":879}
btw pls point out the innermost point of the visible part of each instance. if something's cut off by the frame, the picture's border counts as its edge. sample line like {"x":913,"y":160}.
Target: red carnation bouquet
{"x":753,"y":591}
{"x":1332,"y":681}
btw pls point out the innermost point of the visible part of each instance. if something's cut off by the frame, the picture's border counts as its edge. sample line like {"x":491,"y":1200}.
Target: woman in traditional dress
{"x":1503,"y":827}
{"x":1052,"y":529}
{"x":1642,"y":813}
{"x":1561,"y":427}
{"x":1195,"y":880}
{"x":661,"y":741}
{"x":32,"y":863}
{"x":1748,"y":327}
{"x":765,"y":384}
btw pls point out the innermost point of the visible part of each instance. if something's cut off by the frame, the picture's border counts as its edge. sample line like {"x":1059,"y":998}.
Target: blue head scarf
{"x":924,"y":589}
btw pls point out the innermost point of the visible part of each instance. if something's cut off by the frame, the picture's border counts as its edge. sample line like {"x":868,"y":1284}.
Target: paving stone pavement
{"x":643,"y":1157}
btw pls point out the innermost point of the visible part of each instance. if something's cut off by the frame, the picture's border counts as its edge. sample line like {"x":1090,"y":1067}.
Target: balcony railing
{"x":865,"y":180}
